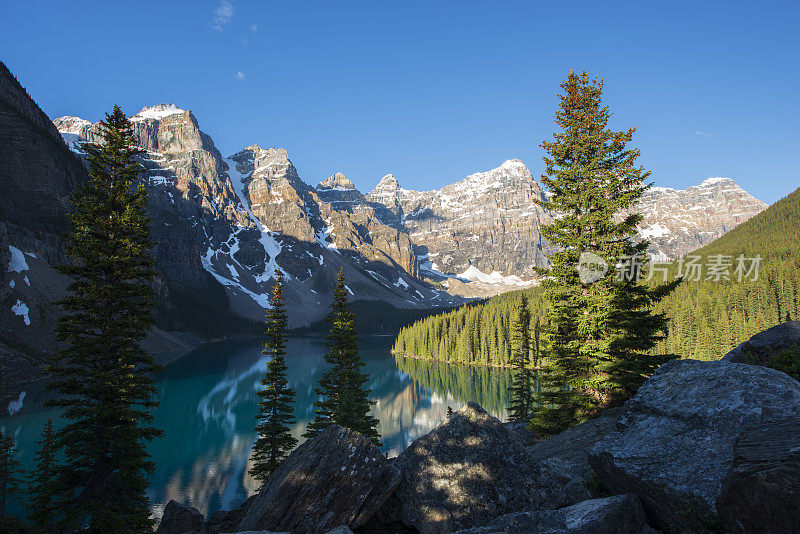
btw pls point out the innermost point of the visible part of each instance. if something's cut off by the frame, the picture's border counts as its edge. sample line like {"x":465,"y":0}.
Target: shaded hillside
{"x":37,"y":174}
{"x":709,"y":317}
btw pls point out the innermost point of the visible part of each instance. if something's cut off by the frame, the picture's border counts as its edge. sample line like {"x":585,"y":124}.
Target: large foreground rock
{"x":338,"y":478}
{"x":180,"y":519}
{"x":470,"y":470}
{"x":762,"y":491}
{"x":574,"y":444}
{"x":762,"y":347}
{"x":620,"y":514}
{"x":674,"y":441}
{"x":227,"y":520}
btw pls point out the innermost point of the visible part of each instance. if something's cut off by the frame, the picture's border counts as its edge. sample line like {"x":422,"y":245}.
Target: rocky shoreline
{"x":702,"y":447}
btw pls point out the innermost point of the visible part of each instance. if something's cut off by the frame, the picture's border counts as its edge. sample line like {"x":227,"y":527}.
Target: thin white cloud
{"x":701,"y":132}
{"x":239,"y":75}
{"x":223,"y":14}
{"x":254,"y":27}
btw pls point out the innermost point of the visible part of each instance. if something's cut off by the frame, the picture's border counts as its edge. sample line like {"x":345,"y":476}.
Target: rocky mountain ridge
{"x":477,"y":237}
{"x":482,"y":233}
{"x":679,"y":221}
{"x":223,"y":226}
{"x":250,"y":214}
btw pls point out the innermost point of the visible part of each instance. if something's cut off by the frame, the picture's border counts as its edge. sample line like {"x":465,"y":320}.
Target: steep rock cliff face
{"x":242,"y":218}
{"x":37,"y":174}
{"x":363,"y":226}
{"x":487,"y":222}
{"x":191,"y":199}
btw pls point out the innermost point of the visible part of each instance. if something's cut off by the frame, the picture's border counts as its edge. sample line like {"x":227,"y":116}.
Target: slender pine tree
{"x":102,"y":377}
{"x":9,"y":470}
{"x":536,"y":355}
{"x":520,"y":398}
{"x":600,"y":325}
{"x":41,"y":512}
{"x":276,"y":404}
{"x":342,"y":388}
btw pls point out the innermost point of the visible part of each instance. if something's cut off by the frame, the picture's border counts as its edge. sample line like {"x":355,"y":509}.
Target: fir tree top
{"x":590,"y":172}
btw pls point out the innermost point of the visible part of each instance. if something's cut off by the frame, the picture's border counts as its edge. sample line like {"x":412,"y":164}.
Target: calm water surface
{"x":208,"y":406}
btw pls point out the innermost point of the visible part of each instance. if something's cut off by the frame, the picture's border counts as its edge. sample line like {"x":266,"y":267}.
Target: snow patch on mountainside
{"x":429,"y":267}
{"x":474,"y":274}
{"x":262,"y":299}
{"x":271,"y":245}
{"x":716,"y":180}
{"x":74,"y":143}
{"x":21,"y":309}
{"x":17,"y":264}
{"x":654,"y":230}
{"x":324,"y":235}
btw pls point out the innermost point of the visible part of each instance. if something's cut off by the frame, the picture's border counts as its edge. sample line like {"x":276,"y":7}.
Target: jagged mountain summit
{"x":481,"y":235}
{"x":678,"y":221}
{"x":240,"y":219}
{"x":223,"y":226}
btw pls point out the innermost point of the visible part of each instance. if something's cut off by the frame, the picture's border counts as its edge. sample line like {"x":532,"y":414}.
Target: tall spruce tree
{"x":342,"y":388}
{"x":102,"y":377}
{"x":42,"y":512}
{"x":599,"y":329}
{"x":9,"y":470}
{"x":520,"y":398}
{"x":276,"y":404}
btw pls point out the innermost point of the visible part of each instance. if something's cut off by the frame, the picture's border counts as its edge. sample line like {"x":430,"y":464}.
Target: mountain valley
{"x":223,"y":226}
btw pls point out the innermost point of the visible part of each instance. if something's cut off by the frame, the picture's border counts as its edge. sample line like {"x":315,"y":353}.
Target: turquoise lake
{"x":208,"y":406}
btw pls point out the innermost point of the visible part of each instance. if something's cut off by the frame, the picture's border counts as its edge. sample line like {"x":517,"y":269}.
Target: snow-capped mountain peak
{"x":157,"y":112}
{"x":514,"y":164}
{"x":70,"y":124}
{"x":716,"y":180}
{"x":337,"y":182}
{"x":388,"y":181}
{"x":677,"y":221}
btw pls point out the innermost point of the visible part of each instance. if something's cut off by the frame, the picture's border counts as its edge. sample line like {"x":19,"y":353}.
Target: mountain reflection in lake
{"x":208,"y":407}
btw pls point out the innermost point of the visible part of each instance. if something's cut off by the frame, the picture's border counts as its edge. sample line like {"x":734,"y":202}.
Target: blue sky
{"x":432,"y":91}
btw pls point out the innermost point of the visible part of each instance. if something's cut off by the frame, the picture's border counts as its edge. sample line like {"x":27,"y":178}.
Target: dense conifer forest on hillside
{"x":707,"y":317}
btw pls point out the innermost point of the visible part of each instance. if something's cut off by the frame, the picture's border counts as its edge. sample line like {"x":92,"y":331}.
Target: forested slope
{"x":707,"y":316}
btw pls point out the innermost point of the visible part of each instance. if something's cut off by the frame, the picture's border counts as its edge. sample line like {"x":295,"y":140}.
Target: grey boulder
{"x":620,"y":514}
{"x":470,"y":470}
{"x":180,"y":519}
{"x":760,"y":348}
{"x":762,"y":491}
{"x":673,"y":444}
{"x":573,"y":444}
{"x":337,"y":478}
{"x":226,"y":520}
